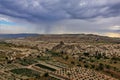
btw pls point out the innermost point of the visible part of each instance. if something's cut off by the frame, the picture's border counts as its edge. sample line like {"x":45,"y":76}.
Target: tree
{"x":72,"y":62}
{"x":66,"y":57}
{"x":46,"y":75}
{"x":98,"y":56}
{"x":61,"y":42}
{"x":79,"y":65}
{"x":107,"y":66}
{"x":101,"y":66}
{"x":92,"y":66}
{"x":86,"y":65}
{"x":68,"y":74}
{"x":86,"y":54}
{"x":46,"y":49}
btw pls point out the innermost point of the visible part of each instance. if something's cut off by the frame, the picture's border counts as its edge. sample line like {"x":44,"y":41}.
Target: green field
{"x":26,"y":72}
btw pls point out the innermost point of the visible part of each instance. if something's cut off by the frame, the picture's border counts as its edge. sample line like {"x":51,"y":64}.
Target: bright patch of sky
{"x":2,"y":22}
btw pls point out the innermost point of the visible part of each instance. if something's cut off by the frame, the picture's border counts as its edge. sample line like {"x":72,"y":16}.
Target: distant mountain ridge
{"x":79,"y":38}
{"x":63,"y":37}
{"x":22,"y":35}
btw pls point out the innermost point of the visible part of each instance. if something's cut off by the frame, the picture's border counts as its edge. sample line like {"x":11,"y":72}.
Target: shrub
{"x":86,"y":54}
{"x":86,"y":65}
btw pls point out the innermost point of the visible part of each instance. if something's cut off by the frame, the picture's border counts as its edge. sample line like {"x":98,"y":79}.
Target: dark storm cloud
{"x":61,"y":16}
{"x":52,"y":10}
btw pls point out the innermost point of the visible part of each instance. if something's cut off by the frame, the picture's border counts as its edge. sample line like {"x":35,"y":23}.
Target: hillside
{"x":55,"y":57}
{"x":76,"y":38}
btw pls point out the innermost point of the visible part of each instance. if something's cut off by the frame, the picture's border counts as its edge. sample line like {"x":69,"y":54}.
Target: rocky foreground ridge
{"x":108,"y":50}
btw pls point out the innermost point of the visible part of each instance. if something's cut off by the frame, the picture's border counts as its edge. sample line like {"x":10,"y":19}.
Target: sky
{"x":100,"y":17}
